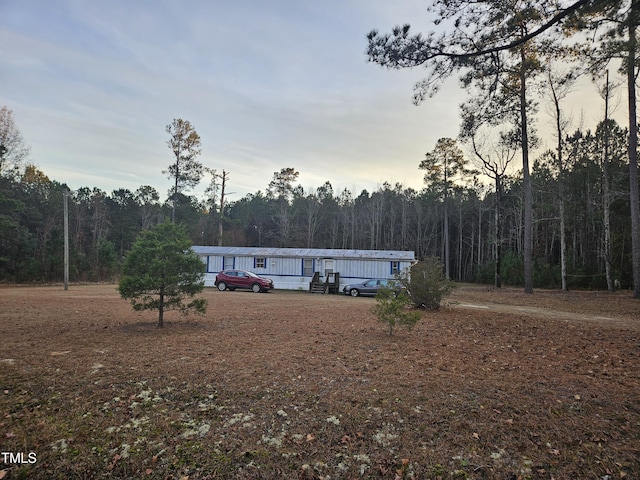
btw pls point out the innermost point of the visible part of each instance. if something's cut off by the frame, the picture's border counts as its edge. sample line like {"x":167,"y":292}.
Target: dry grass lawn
{"x":496,"y":385}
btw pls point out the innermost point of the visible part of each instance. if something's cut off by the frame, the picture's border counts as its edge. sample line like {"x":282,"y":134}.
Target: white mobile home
{"x":294,"y":268}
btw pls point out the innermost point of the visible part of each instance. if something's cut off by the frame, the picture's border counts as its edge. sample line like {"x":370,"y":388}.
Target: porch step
{"x":318,"y":288}
{"x":331,"y":284}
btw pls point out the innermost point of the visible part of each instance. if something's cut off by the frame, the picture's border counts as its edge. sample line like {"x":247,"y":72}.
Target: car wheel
{"x":354,"y":292}
{"x":256,"y":288}
{"x":222,"y":286}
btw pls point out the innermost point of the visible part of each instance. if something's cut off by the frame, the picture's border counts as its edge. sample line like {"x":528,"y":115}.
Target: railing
{"x":316,"y":285}
{"x":331,"y":283}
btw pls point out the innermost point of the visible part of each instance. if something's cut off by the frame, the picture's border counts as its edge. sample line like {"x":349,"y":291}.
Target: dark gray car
{"x":370,"y":287}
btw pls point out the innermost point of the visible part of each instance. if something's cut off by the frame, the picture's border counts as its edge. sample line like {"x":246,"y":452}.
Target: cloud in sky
{"x":267,"y":85}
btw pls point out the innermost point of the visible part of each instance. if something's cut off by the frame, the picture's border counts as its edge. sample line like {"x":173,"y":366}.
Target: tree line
{"x":453,"y":213}
{"x":568,"y":217}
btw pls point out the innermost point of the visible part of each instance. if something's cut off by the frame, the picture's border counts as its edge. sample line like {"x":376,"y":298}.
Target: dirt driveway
{"x":615,"y":309}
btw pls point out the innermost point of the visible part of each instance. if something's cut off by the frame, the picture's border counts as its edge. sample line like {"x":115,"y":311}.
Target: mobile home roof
{"x":400,"y":255}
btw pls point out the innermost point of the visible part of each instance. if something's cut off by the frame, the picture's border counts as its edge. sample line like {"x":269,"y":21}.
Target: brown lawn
{"x":496,"y":385}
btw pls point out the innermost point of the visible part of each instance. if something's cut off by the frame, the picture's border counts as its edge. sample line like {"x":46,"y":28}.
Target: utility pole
{"x":223,"y":184}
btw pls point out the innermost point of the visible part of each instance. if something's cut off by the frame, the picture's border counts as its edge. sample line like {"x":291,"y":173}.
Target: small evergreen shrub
{"x":392,"y":308}
{"x":426,"y":284}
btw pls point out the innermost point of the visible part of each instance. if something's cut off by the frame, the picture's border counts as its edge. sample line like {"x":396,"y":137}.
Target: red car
{"x":232,"y":279}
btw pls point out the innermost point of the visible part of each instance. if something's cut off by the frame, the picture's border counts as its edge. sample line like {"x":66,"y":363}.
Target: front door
{"x":328,"y":266}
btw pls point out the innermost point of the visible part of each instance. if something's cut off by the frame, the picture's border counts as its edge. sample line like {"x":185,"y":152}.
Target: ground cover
{"x":496,"y":385}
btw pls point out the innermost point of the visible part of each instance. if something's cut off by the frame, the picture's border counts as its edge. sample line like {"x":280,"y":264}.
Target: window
{"x":395,"y":267}
{"x":227,"y":262}
{"x":260,"y":262}
{"x":307,"y":267}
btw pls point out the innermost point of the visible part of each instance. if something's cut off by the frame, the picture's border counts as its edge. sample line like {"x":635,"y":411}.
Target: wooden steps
{"x":331,"y":284}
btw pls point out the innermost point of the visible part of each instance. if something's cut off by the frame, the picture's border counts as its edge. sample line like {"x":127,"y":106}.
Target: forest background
{"x":103,"y":226}
{"x":469,"y":213}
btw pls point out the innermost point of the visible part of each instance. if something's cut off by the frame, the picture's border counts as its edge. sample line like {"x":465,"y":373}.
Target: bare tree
{"x":218,"y":184}
{"x":312,"y":210}
{"x":13,"y":150}
{"x":147,"y":197}
{"x":186,"y":171}
{"x":559,"y":86}
{"x":605,"y":92}
{"x":494,"y":162}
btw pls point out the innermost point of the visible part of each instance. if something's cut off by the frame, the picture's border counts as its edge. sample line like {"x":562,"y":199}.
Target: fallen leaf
{"x":310,"y":438}
{"x":476,"y":436}
{"x":116,"y":457}
{"x":3,"y":473}
{"x":149,"y":471}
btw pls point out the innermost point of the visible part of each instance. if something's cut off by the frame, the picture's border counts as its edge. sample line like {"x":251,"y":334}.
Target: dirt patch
{"x":289,"y":385}
{"x":610,"y":308}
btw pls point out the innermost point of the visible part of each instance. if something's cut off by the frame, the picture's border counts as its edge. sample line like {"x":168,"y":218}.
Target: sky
{"x":267,"y":85}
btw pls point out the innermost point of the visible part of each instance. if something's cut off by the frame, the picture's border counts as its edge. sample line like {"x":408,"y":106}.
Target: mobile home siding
{"x":285,"y":266}
{"x":365,"y":269}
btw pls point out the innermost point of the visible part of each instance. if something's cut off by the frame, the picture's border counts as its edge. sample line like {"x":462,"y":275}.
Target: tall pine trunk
{"x":498,"y":228}
{"x":561,"y":195}
{"x":633,"y":148}
{"x":606,"y":192}
{"x":445,"y":233}
{"x":526,"y":179}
